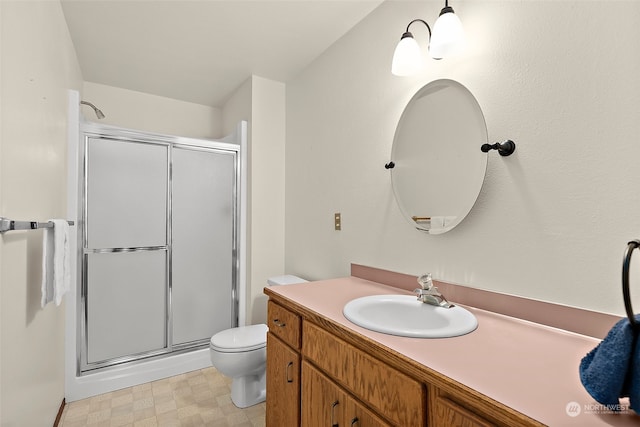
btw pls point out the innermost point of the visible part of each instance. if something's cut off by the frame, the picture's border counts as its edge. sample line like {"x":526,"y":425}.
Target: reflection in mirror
{"x":437,"y":170}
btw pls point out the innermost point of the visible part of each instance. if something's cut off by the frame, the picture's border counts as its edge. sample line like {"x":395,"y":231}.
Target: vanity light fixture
{"x":505,"y":148}
{"x":447,"y":39}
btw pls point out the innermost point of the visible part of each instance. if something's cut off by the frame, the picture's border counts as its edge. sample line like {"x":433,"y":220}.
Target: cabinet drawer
{"x":398,"y":397}
{"x":284,"y":324}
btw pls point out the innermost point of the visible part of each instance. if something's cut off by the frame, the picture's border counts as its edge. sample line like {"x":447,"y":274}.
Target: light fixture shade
{"x":448,"y":36}
{"x":407,"y":58}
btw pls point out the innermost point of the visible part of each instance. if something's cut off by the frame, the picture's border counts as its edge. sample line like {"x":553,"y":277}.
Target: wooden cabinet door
{"x":325,"y":404}
{"x":360,"y":416}
{"x":446,"y":410}
{"x":449,"y":414}
{"x":283,"y":384}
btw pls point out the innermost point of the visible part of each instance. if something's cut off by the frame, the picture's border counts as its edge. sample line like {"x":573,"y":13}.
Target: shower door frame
{"x":98,"y":131}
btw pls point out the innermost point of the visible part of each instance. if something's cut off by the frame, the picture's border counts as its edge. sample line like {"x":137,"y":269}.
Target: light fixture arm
{"x":408,"y":33}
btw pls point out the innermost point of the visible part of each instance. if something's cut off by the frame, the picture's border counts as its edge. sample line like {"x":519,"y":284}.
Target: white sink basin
{"x":405,"y":316}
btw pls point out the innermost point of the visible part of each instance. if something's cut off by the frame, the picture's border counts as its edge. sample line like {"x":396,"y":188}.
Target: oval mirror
{"x":438,"y":168}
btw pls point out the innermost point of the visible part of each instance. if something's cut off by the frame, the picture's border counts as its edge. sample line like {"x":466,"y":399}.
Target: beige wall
{"x":237,"y":107}
{"x":551,"y":222}
{"x":267,"y":190}
{"x":151,"y":113}
{"x":261,"y":102}
{"x":38,"y":66}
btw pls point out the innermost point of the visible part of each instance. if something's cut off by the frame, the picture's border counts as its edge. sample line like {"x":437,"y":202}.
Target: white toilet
{"x":241,"y":353}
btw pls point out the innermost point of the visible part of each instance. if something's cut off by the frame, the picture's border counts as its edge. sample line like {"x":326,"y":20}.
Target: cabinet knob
{"x":355,"y":421}
{"x":279,"y":323}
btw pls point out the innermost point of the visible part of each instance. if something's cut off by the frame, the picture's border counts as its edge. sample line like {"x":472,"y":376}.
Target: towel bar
{"x":10,"y":225}
{"x":625,"y":284}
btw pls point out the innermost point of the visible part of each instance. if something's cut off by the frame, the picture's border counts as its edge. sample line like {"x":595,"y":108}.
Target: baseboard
{"x":59,"y":416}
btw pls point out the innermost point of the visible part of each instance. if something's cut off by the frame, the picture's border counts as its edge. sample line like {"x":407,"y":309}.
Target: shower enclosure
{"x":158,"y":240}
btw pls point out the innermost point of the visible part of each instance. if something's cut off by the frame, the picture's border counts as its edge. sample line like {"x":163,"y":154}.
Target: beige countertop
{"x":529,"y":367}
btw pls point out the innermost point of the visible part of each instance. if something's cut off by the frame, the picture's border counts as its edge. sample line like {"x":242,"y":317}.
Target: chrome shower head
{"x":99,"y":113}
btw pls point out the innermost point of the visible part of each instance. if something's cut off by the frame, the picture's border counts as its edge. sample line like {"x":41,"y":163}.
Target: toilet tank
{"x":287,"y":279}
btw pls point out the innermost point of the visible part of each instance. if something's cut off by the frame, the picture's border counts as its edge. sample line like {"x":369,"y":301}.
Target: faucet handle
{"x":425,"y":281}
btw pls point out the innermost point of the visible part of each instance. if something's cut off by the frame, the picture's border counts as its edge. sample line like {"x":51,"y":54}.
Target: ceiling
{"x":200,"y":51}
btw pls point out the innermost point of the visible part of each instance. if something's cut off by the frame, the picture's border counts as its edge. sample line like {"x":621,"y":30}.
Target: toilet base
{"x":248,"y":390}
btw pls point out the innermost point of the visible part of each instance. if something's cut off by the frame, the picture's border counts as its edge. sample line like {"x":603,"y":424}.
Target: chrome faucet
{"x":429,"y":294}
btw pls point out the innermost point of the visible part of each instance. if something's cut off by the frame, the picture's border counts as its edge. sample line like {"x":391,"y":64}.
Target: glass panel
{"x":126,"y":194}
{"x":202,"y":246}
{"x":126,"y":303}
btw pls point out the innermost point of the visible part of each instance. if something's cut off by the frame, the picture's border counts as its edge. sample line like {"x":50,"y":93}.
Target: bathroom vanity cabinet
{"x":320,"y":373}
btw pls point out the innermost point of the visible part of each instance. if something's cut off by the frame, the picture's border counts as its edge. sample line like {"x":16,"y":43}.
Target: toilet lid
{"x":243,"y":338}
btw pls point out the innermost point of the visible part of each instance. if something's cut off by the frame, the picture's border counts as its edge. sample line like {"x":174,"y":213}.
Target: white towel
{"x":437,"y":222}
{"x":56,"y":274}
{"x":442,"y":221}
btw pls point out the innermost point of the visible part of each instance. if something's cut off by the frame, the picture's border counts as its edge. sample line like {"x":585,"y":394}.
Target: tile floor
{"x":198,"y":398}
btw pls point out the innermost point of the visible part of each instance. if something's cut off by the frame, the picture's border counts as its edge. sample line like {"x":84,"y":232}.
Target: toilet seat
{"x":240,"y":339}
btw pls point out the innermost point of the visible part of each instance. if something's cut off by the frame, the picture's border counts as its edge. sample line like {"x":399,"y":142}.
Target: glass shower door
{"x":125,"y":251}
{"x":160,"y":234}
{"x":160,"y":240}
{"x":203,"y":266}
